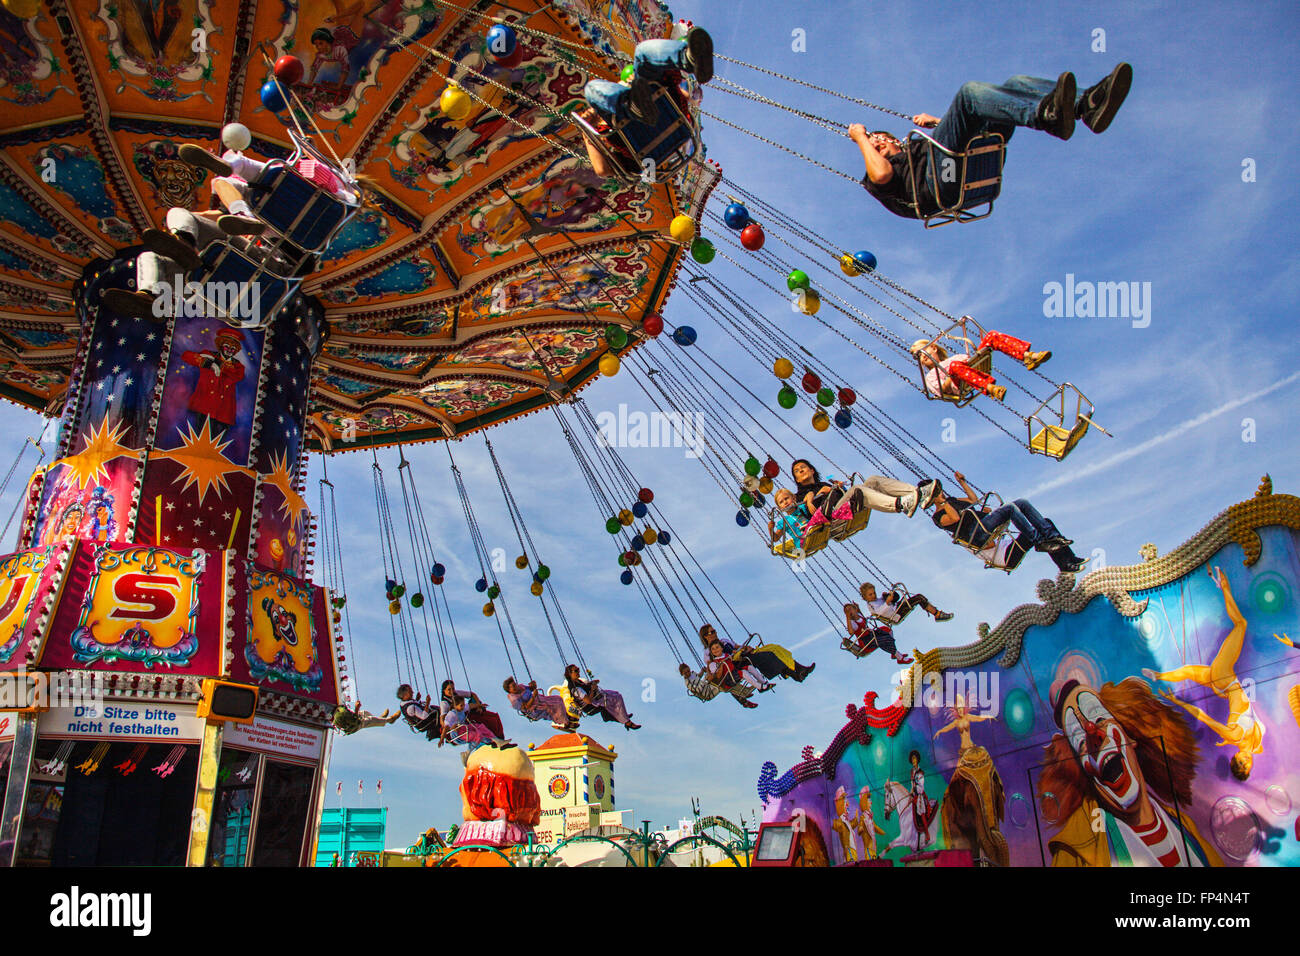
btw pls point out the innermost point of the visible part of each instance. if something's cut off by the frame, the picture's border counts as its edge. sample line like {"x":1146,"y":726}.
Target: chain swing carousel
{"x":433,"y":256}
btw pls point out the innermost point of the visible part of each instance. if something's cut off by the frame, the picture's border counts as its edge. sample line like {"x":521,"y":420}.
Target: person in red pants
{"x":944,"y":372}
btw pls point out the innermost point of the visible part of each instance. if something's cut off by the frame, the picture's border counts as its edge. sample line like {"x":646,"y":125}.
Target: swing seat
{"x":850,"y":645}
{"x":570,"y":705}
{"x":903,"y":595}
{"x":1055,"y":431}
{"x":963,"y":184}
{"x":669,"y":143}
{"x":981,"y":360}
{"x":973,"y":521}
{"x":842,"y":530}
{"x":239,"y":289}
{"x":813,"y":541}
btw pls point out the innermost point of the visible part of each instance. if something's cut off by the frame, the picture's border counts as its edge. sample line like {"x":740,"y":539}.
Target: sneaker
{"x":1056,"y":111}
{"x":241,"y":226}
{"x":137,"y":305}
{"x":1035,"y":359}
{"x":641,"y":102}
{"x":699,"y":54}
{"x":943,"y":616}
{"x":926,"y":491}
{"x":996,"y":392}
{"x":1100,"y":103}
{"x":171,"y":246}
{"x":906,"y":504}
{"x":198,"y":156}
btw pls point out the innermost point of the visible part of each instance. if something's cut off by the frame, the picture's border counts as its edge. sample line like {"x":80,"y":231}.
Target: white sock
{"x":239,"y":208}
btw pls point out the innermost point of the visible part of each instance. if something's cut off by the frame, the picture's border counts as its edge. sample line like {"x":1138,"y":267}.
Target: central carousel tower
{"x":168,"y":540}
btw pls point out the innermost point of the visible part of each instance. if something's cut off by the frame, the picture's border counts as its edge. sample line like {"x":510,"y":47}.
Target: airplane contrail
{"x":1180,"y":429}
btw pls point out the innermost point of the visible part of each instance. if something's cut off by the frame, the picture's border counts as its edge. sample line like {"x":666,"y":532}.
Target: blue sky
{"x":1159,"y":198}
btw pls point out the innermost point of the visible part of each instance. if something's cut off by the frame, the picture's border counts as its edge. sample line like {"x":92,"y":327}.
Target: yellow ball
{"x":849,"y":266}
{"x":649,"y":535}
{"x":821,"y":421}
{"x":765,"y":485}
{"x":521,"y":562}
{"x":394,"y":607}
{"x":489,"y":609}
{"x":536,"y":588}
{"x":625,"y":517}
{"x":810,"y":302}
{"x":609,"y":364}
{"x":455,"y":102}
{"x":682,"y":228}
{"x":23,"y":9}
{"x":783,"y":368}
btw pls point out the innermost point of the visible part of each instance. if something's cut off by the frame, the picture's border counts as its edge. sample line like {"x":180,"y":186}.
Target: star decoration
{"x":202,"y":456}
{"x":102,"y":446}
{"x":281,"y":478}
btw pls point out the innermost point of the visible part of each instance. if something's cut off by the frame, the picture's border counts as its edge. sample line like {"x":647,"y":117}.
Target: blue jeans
{"x":652,"y":60}
{"x":981,"y":107}
{"x":1033,"y":527}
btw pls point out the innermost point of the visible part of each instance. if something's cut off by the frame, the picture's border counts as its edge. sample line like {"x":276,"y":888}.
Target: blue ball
{"x":759,"y":500}
{"x":639,"y":509}
{"x":439,"y":570}
{"x":736,"y":216}
{"x":501,"y":41}
{"x":844,"y":418}
{"x":536,"y":578}
{"x":480,"y":585}
{"x":665,"y":538}
{"x":866,"y":260}
{"x":626,"y":577}
{"x":272,"y":98}
{"x":742,"y":519}
{"x":684,"y":335}
{"x":638,"y":543}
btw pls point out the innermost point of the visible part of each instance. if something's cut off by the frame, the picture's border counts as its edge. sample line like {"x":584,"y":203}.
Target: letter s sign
{"x":145,"y":597}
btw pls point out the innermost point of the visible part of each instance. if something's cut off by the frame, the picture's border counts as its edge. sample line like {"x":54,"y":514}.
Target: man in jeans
{"x":963,"y":517}
{"x":983,"y":108}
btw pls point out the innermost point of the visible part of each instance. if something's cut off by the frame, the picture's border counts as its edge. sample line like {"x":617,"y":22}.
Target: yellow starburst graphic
{"x":202,"y":456}
{"x":281,"y":477}
{"x":103,"y":444}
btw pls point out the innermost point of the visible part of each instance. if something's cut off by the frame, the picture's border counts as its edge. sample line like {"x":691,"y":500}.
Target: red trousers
{"x":999,"y":342}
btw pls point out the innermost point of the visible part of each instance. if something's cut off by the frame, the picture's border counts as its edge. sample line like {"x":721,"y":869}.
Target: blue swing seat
{"x":669,"y":143}
{"x":963,"y":184}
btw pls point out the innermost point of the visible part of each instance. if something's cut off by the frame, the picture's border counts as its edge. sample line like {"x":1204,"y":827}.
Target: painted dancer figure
{"x":1243,"y":728}
{"x":923,"y":808}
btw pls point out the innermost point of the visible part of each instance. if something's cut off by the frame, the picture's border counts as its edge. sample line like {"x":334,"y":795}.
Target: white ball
{"x":680,"y":29}
{"x":236,"y":136}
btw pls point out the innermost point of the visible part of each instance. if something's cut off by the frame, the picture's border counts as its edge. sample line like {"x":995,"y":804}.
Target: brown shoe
{"x":200,"y":157}
{"x":171,"y":246}
{"x":137,"y":305}
{"x":996,"y":392}
{"x":241,"y":226}
{"x":1035,"y":359}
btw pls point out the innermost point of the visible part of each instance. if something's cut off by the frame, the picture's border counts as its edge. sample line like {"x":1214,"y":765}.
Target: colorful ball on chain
{"x":752,"y":237}
{"x":536,"y":588}
{"x":493,"y":592}
{"x":625,"y":517}
{"x":766,"y":485}
{"x":865,"y":260}
{"x":665,"y":538}
{"x":417,"y":599}
{"x":501,"y":41}
{"x":626,"y":577}
{"x":682,"y":228}
{"x":810,"y":302}
{"x":847,"y":396}
{"x":394,"y":607}
{"x":783,"y":368}
{"x":438,"y":570}
{"x":752,"y":465}
{"x":23,"y":9}
{"x":489,"y":609}
{"x":612,"y":525}
{"x":638,"y":543}
{"x":288,"y":70}
{"x":811,"y":382}
{"x":652,"y":324}
{"x":627,"y":74}
{"x":759,"y":500}
{"x":797,"y":279}
{"x":684,"y":335}
{"x":821,"y":421}
{"x":650,"y":535}
{"x":521,"y":562}
{"x":849,"y":265}
{"x":825,"y":397}
{"x":481,"y":585}
{"x":622,"y":561}
{"x":631,"y":558}
{"x":399,"y":590}
{"x":749,"y":483}
{"x":639,"y":509}
{"x":771,"y":469}
{"x":543,"y":572}
{"x":702,"y":251}
{"x":609,"y":364}
{"x":844,"y":418}
{"x":513,"y":60}
{"x":746,"y":499}
{"x":736,"y":216}
{"x":616,"y":336}
{"x":786,"y":398}
{"x":436,"y":578}
{"x":272,"y":98}
{"x":645,"y":495}
{"x":389,"y":584}
{"x":455,"y":102}
{"x":742,"y":519}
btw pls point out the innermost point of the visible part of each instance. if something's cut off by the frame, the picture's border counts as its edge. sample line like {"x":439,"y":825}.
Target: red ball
{"x":848,"y":396}
{"x":289,"y":70}
{"x":751,"y":237}
{"x":811,"y":382}
{"x":513,"y":60}
{"x":771,"y":469}
{"x":645,"y":496}
{"x":652,"y":324}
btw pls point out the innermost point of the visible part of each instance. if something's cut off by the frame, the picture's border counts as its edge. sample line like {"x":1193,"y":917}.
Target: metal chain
{"x":814,"y":86}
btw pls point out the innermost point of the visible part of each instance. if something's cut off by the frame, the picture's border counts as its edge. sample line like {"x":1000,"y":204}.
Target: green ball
{"x":825,"y":397}
{"x":798,"y":279}
{"x":786,"y":398}
{"x":543,"y":572}
{"x":702,"y":251}
{"x":622,"y":561}
{"x":746,"y":499}
{"x":493,"y":592}
{"x":627,"y":74}
{"x":752,"y":466}
{"x":417,"y":599}
{"x":615,"y":336}
{"x":613,"y":526}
